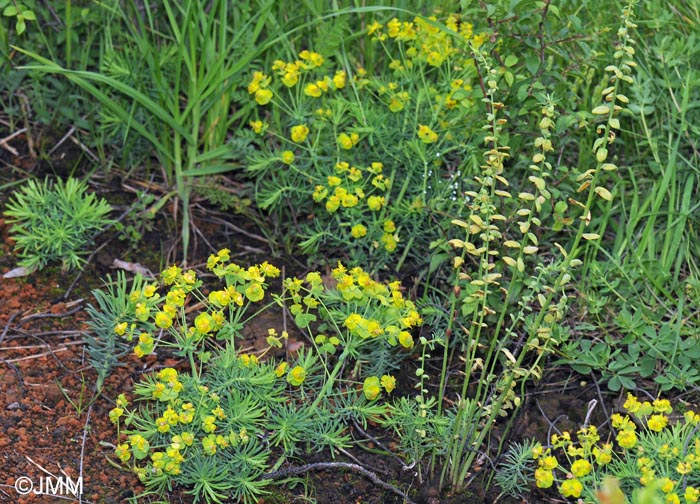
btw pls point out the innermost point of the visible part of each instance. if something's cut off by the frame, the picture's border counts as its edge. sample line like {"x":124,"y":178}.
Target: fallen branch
{"x":324,"y":466}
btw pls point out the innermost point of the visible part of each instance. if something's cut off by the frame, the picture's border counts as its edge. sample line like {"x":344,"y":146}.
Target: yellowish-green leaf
{"x":538,"y":181}
{"x":562,"y":250}
{"x":530,"y":249}
{"x":460,"y":223}
{"x":585,"y":175}
{"x":509,"y":261}
{"x":508,"y":355}
{"x":603,"y":193}
{"x":521,"y":264}
{"x":511,"y":244}
{"x":591,"y":236}
{"x":601,"y":155}
{"x":601,"y":110}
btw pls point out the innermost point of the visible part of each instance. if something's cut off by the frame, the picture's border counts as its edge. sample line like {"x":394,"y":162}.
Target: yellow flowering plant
{"x":650,"y":451}
{"x":225,"y":411}
{"x":378,"y":158}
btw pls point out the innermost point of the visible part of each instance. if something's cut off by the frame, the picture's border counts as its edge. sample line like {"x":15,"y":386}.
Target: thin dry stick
{"x":324,"y":466}
{"x":82,"y":448}
{"x":7,"y":326}
{"x":51,"y":315}
{"x":29,"y":357}
{"x":7,"y":146}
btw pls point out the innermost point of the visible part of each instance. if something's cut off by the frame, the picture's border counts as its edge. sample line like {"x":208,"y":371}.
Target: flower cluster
{"x":188,"y":418}
{"x":662,"y":455}
{"x":366,"y":156}
{"x":224,"y":306}
{"x":367,"y":309}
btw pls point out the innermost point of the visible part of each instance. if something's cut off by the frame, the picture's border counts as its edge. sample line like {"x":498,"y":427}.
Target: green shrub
{"x":55,"y":222}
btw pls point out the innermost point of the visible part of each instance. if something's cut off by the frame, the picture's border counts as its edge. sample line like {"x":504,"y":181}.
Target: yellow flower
{"x":389,"y":383}
{"x":349,"y":200}
{"x":358,"y":231}
{"x":258,"y":126}
{"x":344,"y":141}
{"x":581,"y":467}
{"x":296,"y":376}
{"x":120,"y":329}
{"x":426,"y":134}
{"x":657,"y":422}
{"x":672,"y":498}
{"x":356,"y":175}
{"x":603,"y":456}
{"x":375,"y":203}
{"x":691,"y":417}
{"x":320,"y":192}
{"x":549,"y":462}
{"x":163,"y":320}
{"x":389,"y":226}
{"x":281,"y":369}
{"x":312,"y":90}
{"x":405,"y":339}
{"x":122,"y":452}
{"x":371,"y":387}
{"x":204,"y":323}
{"x":263,"y":96}
{"x":170,"y":275}
{"x":692,"y":494}
{"x":395,"y":104}
{"x":394,"y":28}
{"x":339,"y":79}
{"x":662,"y":406}
{"x":571,"y":488}
{"x":353,"y":321}
{"x":684,"y":467}
{"x":334,"y":181}
{"x":332,"y":204}
{"x":290,"y":78}
{"x":627,"y":438}
{"x":544,"y":478}
{"x":314,"y":59}
{"x":114,"y":415}
{"x":254,"y":292}
{"x":299,"y":133}
{"x":373,"y":28}
{"x":287,"y":157}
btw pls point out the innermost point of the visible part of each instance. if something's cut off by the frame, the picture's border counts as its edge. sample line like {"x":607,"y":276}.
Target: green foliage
{"x":55,"y":222}
{"x":167,"y":52}
{"x":114,"y":313}
{"x":20,"y":12}
{"x":516,"y":469}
